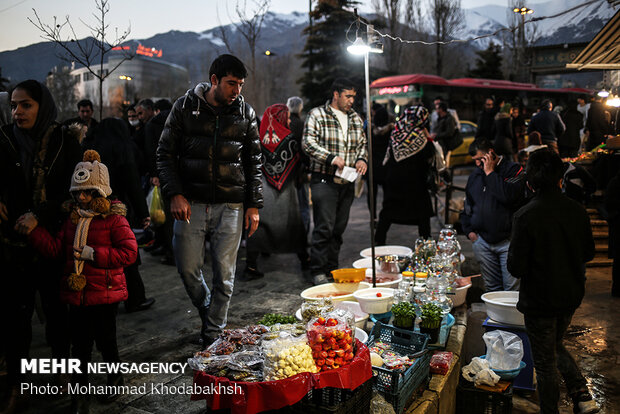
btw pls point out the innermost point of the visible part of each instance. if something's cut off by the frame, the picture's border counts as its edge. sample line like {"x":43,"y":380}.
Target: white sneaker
{"x":587,"y":407}
{"x":319,"y":279}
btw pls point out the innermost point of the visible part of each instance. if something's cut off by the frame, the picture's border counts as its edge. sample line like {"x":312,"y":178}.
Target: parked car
{"x":460,"y":156}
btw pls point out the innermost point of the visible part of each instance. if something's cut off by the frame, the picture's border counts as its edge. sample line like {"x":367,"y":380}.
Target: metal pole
{"x":370,"y":172}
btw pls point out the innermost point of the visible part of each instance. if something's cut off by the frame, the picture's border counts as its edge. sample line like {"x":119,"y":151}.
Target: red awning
{"x":401,"y":80}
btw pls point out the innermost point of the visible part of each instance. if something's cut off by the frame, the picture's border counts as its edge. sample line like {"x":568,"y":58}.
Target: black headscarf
{"x":46,"y":115}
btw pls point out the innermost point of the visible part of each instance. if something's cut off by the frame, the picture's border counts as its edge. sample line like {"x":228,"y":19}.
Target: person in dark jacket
{"x":209,"y":160}
{"x":503,"y":132}
{"x":37,"y":157}
{"x":110,"y":138}
{"x":570,"y":141}
{"x":486,"y":121}
{"x":494,"y":191}
{"x":447,"y":134}
{"x":295,"y":105}
{"x":548,"y":124}
{"x":153,"y":129}
{"x":85,"y":115}
{"x":612,"y":202}
{"x":95,"y":243}
{"x":518,"y":129}
{"x":597,"y":125}
{"x":550,"y":245}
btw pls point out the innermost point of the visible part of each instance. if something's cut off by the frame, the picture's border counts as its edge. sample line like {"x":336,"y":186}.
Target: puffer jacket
{"x":114,"y":246}
{"x":211,"y":155}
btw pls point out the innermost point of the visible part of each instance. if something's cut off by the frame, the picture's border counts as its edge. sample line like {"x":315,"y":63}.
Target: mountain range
{"x":282,"y":35}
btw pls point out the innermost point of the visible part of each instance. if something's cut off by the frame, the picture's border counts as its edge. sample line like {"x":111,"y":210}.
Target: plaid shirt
{"x":324,"y":140}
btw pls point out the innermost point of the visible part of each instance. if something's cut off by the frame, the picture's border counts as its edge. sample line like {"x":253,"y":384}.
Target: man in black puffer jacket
{"x":208,"y":160}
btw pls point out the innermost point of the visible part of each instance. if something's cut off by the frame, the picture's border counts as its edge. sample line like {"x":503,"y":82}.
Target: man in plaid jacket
{"x":333,"y":139}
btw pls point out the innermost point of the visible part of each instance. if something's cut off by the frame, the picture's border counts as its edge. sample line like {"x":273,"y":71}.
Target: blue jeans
{"x":550,"y":356}
{"x":492,"y":258}
{"x":222,"y":223}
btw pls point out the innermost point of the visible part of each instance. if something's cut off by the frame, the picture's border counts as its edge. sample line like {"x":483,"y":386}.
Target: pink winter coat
{"x":114,"y":246}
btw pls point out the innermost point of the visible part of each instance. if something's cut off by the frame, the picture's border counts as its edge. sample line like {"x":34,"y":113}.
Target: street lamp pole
{"x":359,"y":47}
{"x":521,"y":52}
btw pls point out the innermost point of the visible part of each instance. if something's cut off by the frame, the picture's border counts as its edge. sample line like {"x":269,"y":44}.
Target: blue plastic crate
{"x":398,"y":386}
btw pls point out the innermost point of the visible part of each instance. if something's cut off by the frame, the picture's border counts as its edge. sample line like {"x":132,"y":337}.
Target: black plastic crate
{"x":337,"y":400}
{"x":472,"y":400}
{"x":398,"y":386}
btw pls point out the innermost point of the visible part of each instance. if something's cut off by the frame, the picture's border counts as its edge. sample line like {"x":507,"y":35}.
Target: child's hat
{"x":91,"y":174}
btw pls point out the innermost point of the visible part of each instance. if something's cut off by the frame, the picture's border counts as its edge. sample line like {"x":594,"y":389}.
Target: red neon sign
{"x":148,"y":51}
{"x":393,"y":90}
{"x":122,"y":48}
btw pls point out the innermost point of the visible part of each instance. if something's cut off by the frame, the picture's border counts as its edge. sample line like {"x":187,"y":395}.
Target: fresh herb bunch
{"x":404,"y":315}
{"x":431,"y":315}
{"x":404,"y":310}
{"x":270,"y":319}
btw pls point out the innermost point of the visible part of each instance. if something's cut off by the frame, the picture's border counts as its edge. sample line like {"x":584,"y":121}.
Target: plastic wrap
{"x":331,"y":341}
{"x":504,"y":349}
{"x":440,"y":362}
{"x":316,"y":308}
{"x":286,"y":356}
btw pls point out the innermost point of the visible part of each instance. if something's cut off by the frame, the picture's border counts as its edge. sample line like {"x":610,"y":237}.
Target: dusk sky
{"x":147,"y":18}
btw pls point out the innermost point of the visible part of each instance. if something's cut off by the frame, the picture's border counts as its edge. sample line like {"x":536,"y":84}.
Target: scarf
{"x":280,"y":151}
{"x":408,"y":136}
{"x":77,"y":280}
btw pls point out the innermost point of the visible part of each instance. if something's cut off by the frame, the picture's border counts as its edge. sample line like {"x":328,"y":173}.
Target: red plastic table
{"x":254,"y":397}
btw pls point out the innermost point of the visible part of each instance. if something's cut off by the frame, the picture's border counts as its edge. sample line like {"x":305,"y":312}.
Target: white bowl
{"x":502,"y":307}
{"x":461,"y":293}
{"x":393,"y":284}
{"x":365,"y":262}
{"x":387,"y":250}
{"x":354,"y":307}
{"x":371,"y":303}
{"x":336,"y":291}
{"x":361,"y":335}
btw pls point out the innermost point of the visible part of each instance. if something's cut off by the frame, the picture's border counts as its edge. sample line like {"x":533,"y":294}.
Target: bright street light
{"x":359,"y":47}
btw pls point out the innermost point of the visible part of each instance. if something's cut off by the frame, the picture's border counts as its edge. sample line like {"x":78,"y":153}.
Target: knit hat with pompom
{"x":91,"y":174}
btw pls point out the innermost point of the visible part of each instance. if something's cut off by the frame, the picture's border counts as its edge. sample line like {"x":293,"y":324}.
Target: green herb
{"x":432,"y":316}
{"x":270,"y":319}
{"x":404,"y":315}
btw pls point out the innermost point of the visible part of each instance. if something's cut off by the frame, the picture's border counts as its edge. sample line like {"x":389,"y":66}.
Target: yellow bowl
{"x":349,"y":275}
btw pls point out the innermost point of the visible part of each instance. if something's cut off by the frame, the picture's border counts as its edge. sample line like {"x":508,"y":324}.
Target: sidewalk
{"x":164,"y":333}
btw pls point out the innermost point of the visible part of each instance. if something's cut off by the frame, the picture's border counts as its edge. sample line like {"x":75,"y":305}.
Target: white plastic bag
{"x":504,"y":349}
{"x":479,"y":372}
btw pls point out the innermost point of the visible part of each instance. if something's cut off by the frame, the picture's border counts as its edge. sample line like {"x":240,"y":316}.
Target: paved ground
{"x":165,"y":332}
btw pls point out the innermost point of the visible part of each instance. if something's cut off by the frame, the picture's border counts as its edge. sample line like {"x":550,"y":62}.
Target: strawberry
{"x":329,"y":361}
{"x":331,"y":322}
{"x":338,"y":361}
{"x":331,"y":353}
{"x":321,"y":320}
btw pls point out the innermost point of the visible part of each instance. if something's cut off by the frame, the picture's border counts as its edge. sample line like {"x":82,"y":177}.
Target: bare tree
{"x":446,"y":21}
{"x":61,"y":84}
{"x":392,"y":11}
{"x":86,"y":52}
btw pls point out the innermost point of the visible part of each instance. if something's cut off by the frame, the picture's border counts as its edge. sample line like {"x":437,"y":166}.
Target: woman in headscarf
{"x":281,"y":228}
{"x":407,"y":164}
{"x":37,"y":157}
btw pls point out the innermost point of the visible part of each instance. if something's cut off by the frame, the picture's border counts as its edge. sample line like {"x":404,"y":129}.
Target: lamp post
{"x":522,"y":11}
{"x":359,"y":47}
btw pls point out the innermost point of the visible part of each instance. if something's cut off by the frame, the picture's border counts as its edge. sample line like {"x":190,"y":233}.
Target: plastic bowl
{"x":460,"y":294}
{"x":393,"y":282}
{"x":507,"y":374}
{"x":336,"y":291}
{"x":502,"y":307}
{"x":385,"y":250}
{"x":361,"y":335}
{"x":349,"y":275}
{"x":371,"y":303}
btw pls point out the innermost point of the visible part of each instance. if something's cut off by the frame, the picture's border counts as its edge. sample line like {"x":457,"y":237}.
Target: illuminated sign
{"x":393,"y":90}
{"x":142,"y":50}
{"x":148,"y":51}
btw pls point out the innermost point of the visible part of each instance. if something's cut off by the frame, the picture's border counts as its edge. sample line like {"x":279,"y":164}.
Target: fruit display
{"x":286,"y":356}
{"x":331,"y":340}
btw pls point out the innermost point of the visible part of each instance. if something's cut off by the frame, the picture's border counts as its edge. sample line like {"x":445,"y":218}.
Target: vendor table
{"x":525,"y":379}
{"x":254,"y":397}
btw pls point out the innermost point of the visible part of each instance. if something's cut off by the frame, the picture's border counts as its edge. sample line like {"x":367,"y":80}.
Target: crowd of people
{"x":72,"y":192}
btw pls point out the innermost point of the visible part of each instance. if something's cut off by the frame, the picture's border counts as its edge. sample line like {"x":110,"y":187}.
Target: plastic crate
{"x":398,"y":386}
{"x":337,"y":400}
{"x":472,"y":400}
